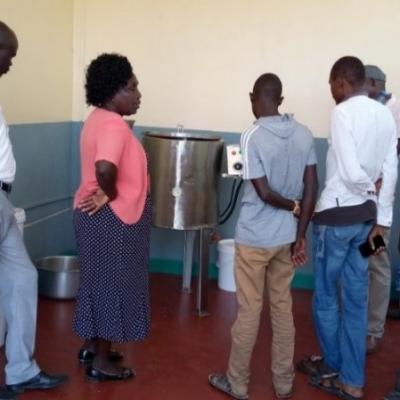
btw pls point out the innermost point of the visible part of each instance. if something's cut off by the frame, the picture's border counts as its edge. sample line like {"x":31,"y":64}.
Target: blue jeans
{"x":341,"y":298}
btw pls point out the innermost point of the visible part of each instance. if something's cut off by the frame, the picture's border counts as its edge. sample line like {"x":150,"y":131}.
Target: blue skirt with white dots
{"x":113,"y":298}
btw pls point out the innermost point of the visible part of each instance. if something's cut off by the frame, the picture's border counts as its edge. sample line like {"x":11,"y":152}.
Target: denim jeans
{"x":341,"y":298}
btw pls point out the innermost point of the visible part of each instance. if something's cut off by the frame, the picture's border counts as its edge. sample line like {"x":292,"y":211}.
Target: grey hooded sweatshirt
{"x":279,"y":148}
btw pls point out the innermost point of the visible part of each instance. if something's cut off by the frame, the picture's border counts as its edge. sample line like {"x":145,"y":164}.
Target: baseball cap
{"x":374,"y":72}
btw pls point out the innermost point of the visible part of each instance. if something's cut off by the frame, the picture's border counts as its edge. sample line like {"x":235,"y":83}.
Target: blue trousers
{"x":341,"y":298}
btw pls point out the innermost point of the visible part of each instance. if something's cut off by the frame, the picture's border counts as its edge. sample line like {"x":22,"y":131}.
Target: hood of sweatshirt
{"x":282,"y":126}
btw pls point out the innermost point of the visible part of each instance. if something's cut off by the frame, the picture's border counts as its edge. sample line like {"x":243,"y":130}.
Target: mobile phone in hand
{"x":366,"y":249}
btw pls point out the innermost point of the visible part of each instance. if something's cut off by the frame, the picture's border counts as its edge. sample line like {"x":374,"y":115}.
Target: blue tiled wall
{"x":48,"y":174}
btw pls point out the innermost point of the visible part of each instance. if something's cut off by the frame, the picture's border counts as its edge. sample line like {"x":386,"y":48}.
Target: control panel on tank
{"x":234,"y":159}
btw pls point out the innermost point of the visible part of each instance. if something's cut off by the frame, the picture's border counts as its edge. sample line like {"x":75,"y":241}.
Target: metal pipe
{"x":46,"y":202}
{"x":40,"y":220}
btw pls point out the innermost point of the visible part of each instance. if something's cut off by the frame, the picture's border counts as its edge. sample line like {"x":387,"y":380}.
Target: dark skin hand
{"x":310,"y":192}
{"x":377,"y":230}
{"x":310,"y":179}
{"x":106,"y":175}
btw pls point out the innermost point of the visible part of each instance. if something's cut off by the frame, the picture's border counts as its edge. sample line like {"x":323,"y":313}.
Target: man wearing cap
{"x":375,"y":84}
{"x":18,"y":276}
{"x":379,"y":265}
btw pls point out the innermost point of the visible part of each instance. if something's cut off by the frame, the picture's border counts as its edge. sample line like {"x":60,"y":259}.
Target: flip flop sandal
{"x":315,"y":366}
{"x":6,"y":394}
{"x":347,"y":396}
{"x":309,"y":365}
{"x":221,"y":382}
{"x":331,"y":388}
{"x":395,"y":395}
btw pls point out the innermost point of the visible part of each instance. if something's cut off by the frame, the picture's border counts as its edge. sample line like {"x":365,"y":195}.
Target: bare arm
{"x":106,"y":175}
{"x":310,"y":191}
{"x":267,"y":195}
{"x":309,"y":199}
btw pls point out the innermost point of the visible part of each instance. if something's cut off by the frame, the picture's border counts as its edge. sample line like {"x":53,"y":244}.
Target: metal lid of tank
{"x":183,"y":136}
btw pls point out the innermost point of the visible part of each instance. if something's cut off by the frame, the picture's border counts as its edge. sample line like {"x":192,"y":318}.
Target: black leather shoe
{"x":97,"y":375}
{"x":40,"y":381}
{"x":86,"y":356}
{"x":6,"y":394}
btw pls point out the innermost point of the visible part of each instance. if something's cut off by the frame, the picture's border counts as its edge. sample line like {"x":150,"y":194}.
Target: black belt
{"x":6,"y":187}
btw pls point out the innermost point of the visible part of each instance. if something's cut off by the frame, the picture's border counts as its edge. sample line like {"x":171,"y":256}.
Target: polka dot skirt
{"x":113,"y":299}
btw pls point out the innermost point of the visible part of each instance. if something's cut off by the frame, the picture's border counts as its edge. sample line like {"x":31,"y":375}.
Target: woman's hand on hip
{"x":94,"y":202}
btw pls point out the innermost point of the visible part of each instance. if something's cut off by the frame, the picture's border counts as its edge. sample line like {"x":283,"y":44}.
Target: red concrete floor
{"x":174,"y":363}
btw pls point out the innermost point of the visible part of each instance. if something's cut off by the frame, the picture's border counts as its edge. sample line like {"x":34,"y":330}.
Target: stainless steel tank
{"x":184,"y":172}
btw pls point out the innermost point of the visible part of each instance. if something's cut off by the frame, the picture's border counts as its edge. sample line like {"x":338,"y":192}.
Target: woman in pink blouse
{"x":112,"y":221}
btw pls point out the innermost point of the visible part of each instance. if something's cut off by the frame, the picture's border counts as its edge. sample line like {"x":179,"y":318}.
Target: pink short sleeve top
{"x":106,"y":136}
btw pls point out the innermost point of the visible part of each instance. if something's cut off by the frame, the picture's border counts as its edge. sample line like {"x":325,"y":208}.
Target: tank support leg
{"x":188,"y":249}
{"x":203,"y":272}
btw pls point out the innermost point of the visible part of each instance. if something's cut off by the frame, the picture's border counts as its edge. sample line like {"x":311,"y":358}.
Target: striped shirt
{"x":279,"y":148}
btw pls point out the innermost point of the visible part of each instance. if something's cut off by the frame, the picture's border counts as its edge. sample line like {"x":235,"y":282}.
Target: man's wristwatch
{"x":296,"y":209}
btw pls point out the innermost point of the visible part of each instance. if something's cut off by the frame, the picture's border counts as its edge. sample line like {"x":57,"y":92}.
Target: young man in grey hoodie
{"x":279,"y":197}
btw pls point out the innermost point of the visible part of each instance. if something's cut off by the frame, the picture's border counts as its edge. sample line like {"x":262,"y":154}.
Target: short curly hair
{"x":105,"y":76}
{"x":351,"y":69}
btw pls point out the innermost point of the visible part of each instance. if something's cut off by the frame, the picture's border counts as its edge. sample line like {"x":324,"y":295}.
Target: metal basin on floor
{"x":58,"y":277}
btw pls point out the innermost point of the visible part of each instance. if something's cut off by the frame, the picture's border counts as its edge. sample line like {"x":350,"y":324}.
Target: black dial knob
{"x":238,"y":166}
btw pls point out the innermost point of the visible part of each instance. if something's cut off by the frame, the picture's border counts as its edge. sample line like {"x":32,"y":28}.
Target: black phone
{"x":366,"y":249}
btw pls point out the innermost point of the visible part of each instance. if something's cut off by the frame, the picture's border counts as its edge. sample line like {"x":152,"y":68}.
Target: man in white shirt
{"x":362,"y":149}
{"x":379,"y":265}
{"x":18,"y":277}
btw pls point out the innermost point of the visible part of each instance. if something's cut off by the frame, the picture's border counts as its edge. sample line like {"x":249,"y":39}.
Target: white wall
{"x":38,"y":87}
{"x":197,"y":60}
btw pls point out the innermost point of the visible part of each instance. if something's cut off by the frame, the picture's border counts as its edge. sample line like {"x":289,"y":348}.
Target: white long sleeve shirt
{"x":394,"y":106}
{"x":362,"y":149}
{"x":7,"y":160}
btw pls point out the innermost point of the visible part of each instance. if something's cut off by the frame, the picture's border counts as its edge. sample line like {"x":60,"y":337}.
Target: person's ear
{"x":280,"y":101}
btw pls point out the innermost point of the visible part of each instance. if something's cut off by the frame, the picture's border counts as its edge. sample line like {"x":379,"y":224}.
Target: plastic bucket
{"x":225,"y":263}
{"x":20,"y":216}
